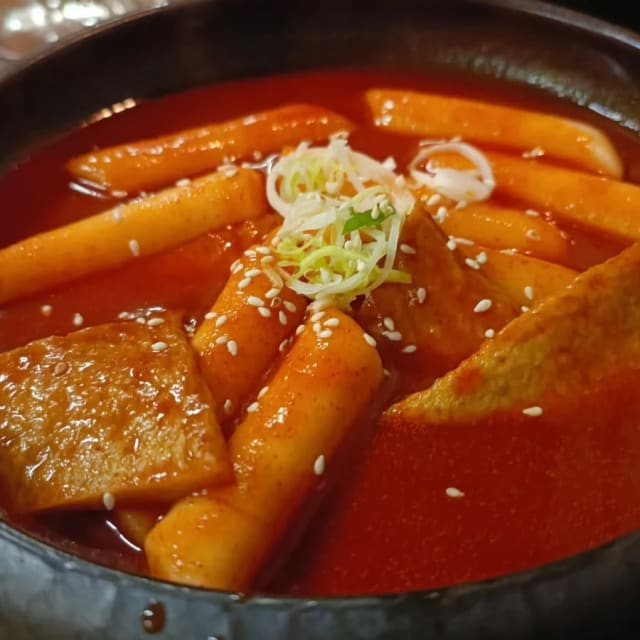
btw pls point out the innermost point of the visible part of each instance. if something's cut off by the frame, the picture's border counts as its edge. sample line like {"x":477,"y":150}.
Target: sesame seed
{"x":141,"y":321}
{"x":254,"y":301}
{"x":299,"y":329}
{"x":108,"y":501}
{"x":536,"y":152}
{"x":451,"y":244}
{"x":228,"y":406}
{"x":282,"y":317}
{"x":210,"y":315}
{"x":154,"y":322}
{"x":489,"y":333}
{"x":272,"y":293}
{"x":221,"y":320}
{"x":434,"y":199}
{"x":332,"y":322}
{"x":389,"y":162}
{"x":465,"y":241}
{"x":60,"y":368}
{"x":78,"y":319}
{"x":262,"y":392}
{"x":482,"y":306}
{"x":123,"y":315}
{"x":289,"y":306}
{"x":222,"y":339}
{"x":244,"y":283}
{"x":389,"y":323}
{"x":283,"y":345}
{"x":318,"y":465}
{"x":482,"y":258}
{"x":471,"y":263}
{"x":316,"y":327}
{"x":252,"y":273}
{"x":461,"y":204}
{"x":524,"y":308}
{"x":369,"y":339}
{"x":528,"y":292}
{"x":421,"y":294}
{"x":319,"y":305}
{"x":410,"y":348}
{"x":532,"y":234}
{"x":317,"y":316}
{"x":408,"y":249}
{"x":532,"y":411}
{"x":183,"y":182}
{"x":265,"y":251}
{"x":441,"y":214}
{"x":394,"y":336}
{"x":532,"y":212}
{"x":325,"y":333}
{"x":267,"y":259}
{"x":250,"y":253}
{"x":236,"y":268}
{"x":232,"y":347}
{"x":265,"y":312}
{"x":253,"y":407}
{"x":228,"y":170}
{"x":134,"y":247}
{"x":46,"y":310}
{"x":159,"y":346}
{"x":453,"y":492}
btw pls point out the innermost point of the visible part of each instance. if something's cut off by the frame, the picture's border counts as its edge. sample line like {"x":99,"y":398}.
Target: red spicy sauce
{"x":533,"y":491}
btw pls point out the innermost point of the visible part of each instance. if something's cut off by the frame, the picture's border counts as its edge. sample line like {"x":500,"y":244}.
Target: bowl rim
{"x":558,"y":15}
{"x":545,"y":9}
{"x":544,"y":572}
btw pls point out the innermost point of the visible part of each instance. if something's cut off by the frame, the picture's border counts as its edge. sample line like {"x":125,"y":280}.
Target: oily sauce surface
{"x":532,"y":492}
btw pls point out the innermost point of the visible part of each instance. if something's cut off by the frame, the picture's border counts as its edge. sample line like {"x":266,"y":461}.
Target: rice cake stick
{"x":142,"y":227}
{"x":527,"y":280}
{"x":601,"y":204}
{"x":148,"y":164}
{"x":242,"y":334}
{"x":432,"y":115}
{"x":491,"y":225}
{"x":279,"y":452}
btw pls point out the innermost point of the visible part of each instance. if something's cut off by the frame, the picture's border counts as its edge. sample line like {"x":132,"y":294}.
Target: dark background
{"x":623,"y":12}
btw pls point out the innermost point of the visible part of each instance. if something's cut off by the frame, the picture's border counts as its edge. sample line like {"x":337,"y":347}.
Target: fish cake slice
{"x":573,"y":340}
{"x":117,"y":412}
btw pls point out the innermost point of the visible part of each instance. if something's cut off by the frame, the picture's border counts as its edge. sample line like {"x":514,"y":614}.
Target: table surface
{"x":26,"y":25}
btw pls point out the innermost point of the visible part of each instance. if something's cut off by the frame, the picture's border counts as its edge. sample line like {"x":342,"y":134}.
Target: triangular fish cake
{"x":571,"y":342}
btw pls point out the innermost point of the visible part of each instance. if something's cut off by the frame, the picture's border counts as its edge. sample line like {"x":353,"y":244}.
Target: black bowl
{"x":47,"y":593}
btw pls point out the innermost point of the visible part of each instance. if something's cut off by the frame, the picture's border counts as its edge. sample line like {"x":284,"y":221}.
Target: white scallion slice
{"x":461,"y":185}
{"x":342,"y":215}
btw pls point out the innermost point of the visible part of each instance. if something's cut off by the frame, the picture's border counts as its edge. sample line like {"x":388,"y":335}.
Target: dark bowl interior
{"x":46,"y":593}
